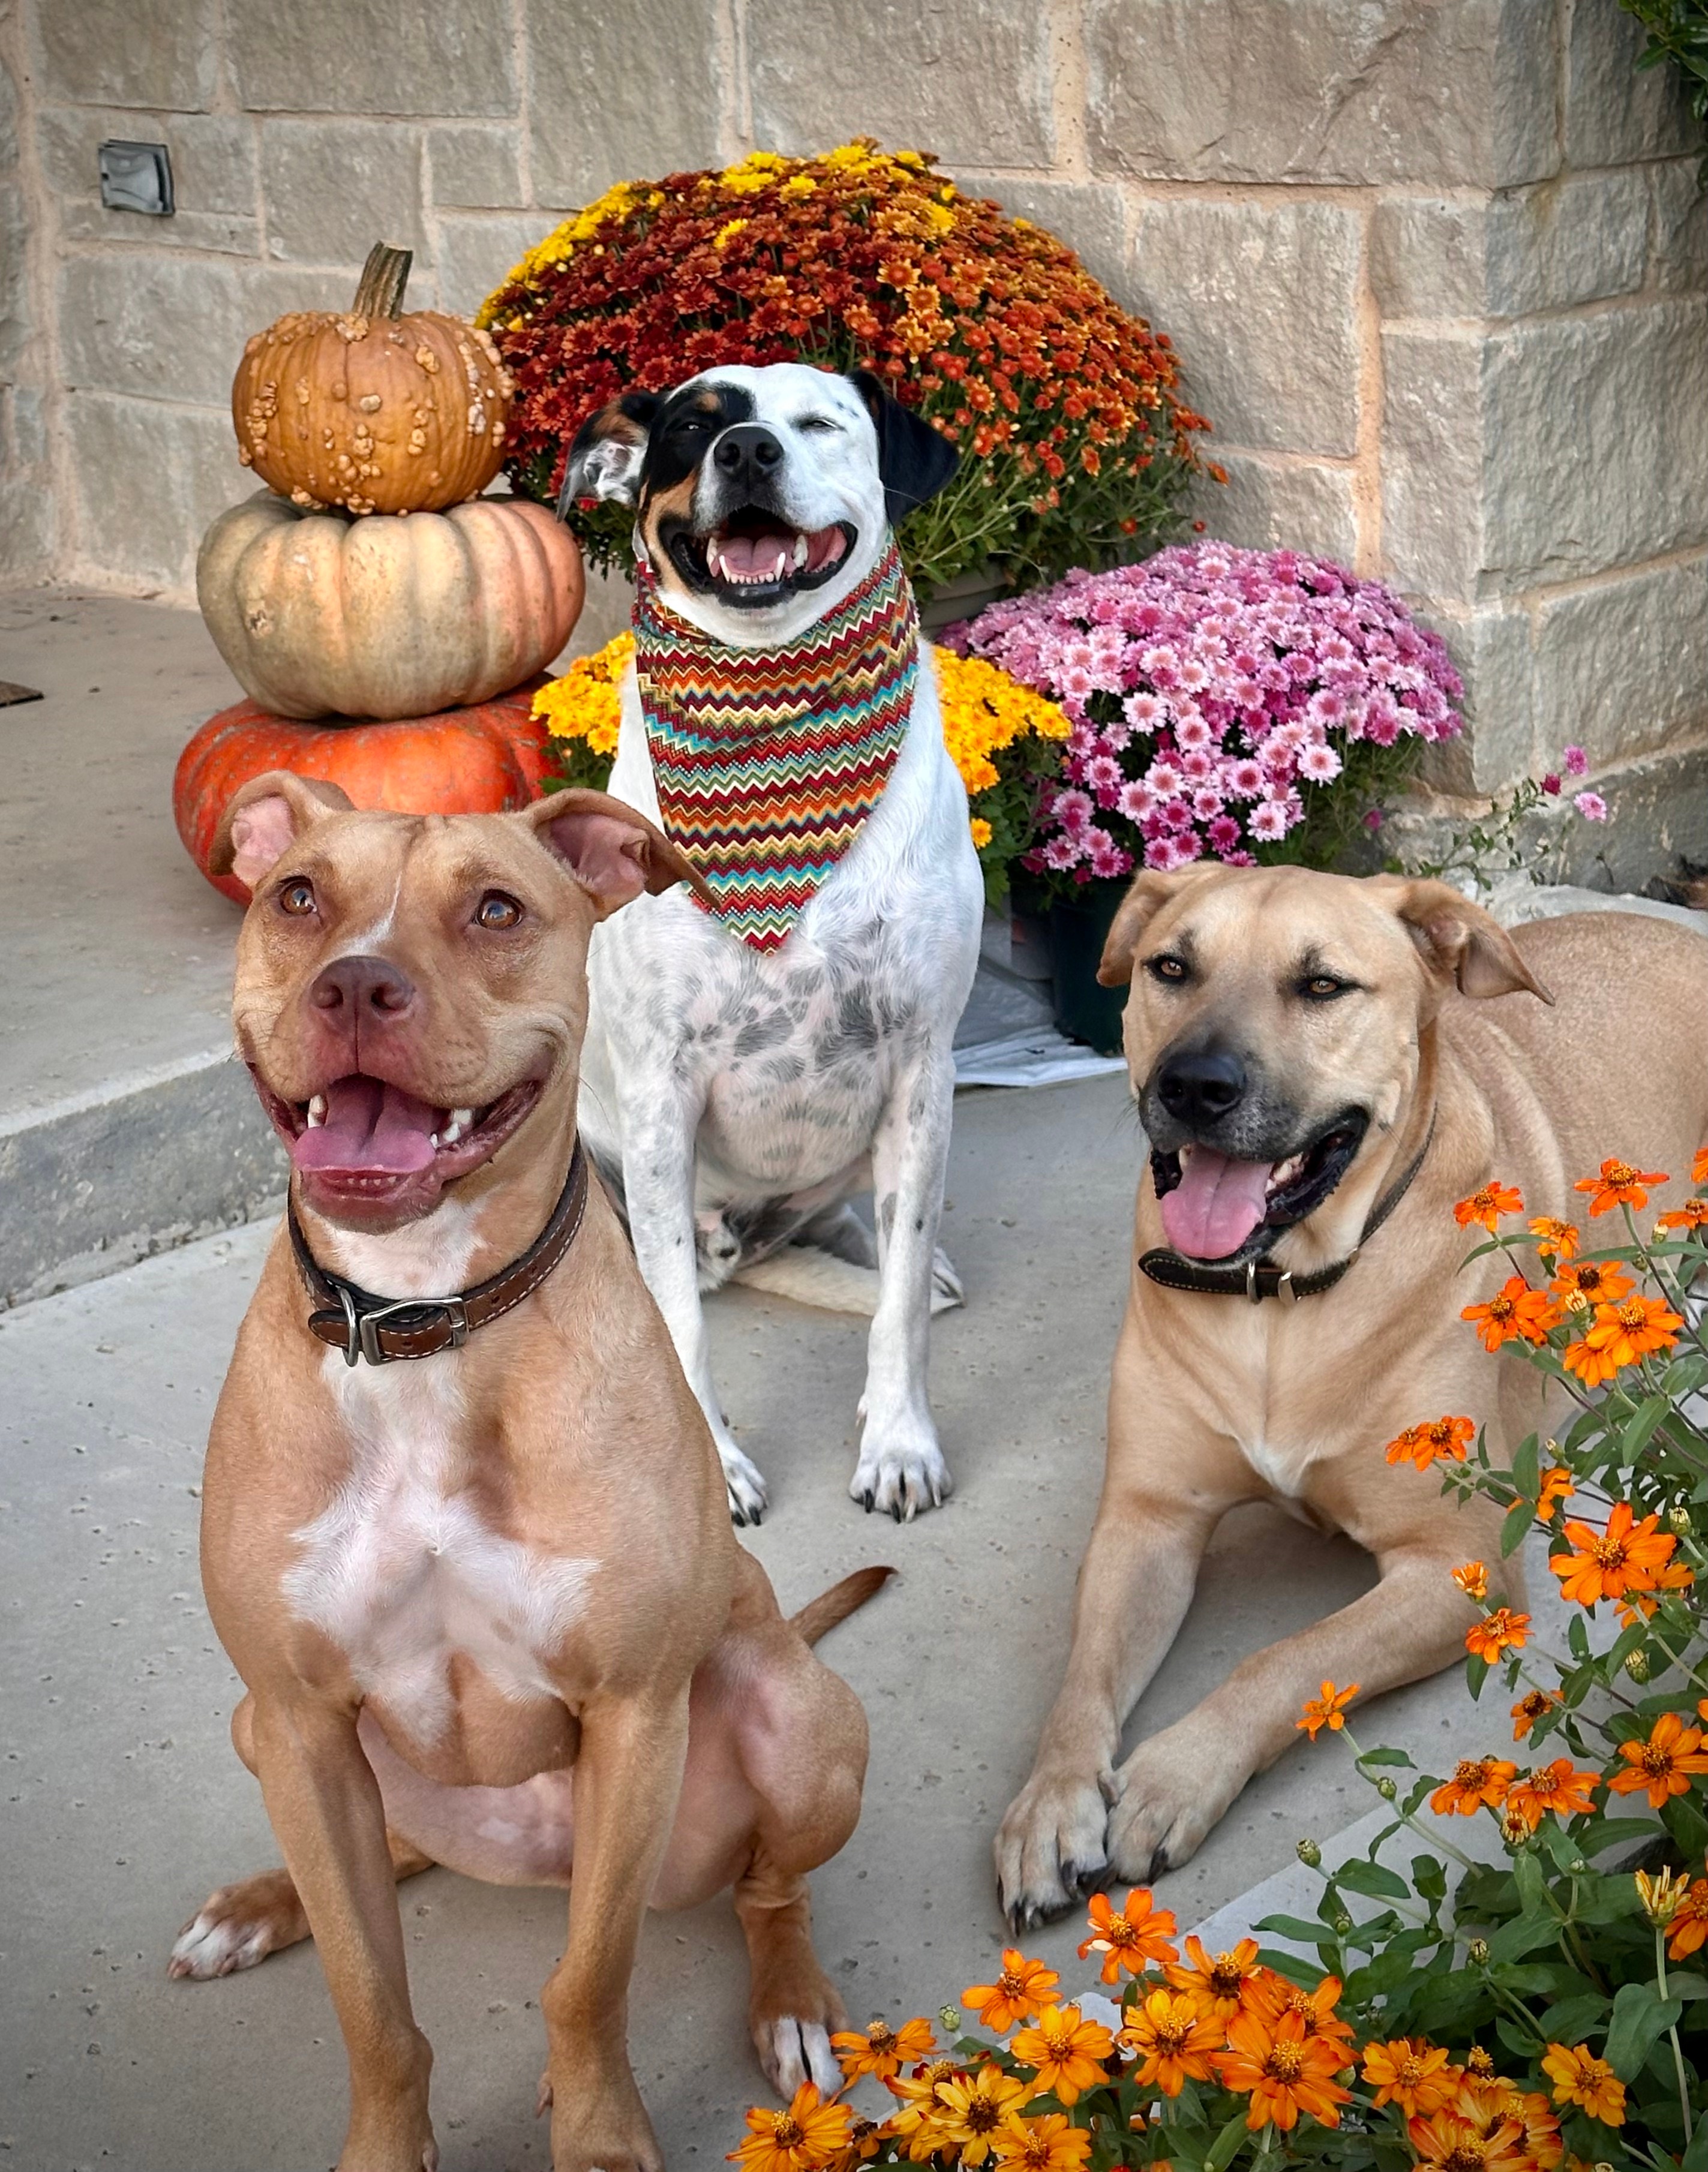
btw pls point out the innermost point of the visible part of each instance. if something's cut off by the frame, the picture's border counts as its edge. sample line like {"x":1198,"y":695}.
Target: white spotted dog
{"x":750,"y":1067}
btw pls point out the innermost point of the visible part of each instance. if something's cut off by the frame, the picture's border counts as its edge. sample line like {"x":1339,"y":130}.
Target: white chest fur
{"x":403,"y":1571}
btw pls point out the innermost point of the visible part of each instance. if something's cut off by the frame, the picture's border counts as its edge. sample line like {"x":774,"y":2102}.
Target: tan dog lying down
{"x":1307,"y":1065}
{"x":486,"y":1597}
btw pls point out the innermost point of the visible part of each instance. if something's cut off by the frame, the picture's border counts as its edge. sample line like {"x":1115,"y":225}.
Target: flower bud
{"x":1477,"y":1953}
{"x":1660,"y":1892}
{"x":1679,"y":1520}
{"x":1637,"y":1665}
{"x":1343,"y":1924}
{"x":950,"y":2016}
{"x":1309,"y":1854}
{"x":1387,"y":1787}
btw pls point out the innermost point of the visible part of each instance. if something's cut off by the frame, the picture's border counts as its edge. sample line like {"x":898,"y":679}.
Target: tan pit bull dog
{"x":1323,"y":1067}
{"x":483,"y":1594}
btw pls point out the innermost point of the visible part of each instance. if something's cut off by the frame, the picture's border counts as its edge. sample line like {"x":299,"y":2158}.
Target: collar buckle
{"x":362,"y":1323}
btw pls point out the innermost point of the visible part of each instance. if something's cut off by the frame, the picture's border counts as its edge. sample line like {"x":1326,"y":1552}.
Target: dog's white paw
{"x":1050,"y":1847}
{"x":238,"y":1926}
{"x":1170,"y":1796}
{"x":901,"y":1471}
{"x":946,"y":1290}
{"x":797,"y":2052}
{"x":748,"y":1498}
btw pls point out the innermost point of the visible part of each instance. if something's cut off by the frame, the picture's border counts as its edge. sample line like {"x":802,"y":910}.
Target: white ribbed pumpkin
{"x":319,"y":614}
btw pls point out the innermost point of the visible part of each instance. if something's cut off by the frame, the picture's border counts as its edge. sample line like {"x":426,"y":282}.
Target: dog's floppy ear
{"x":914,"y":460}
{"x":264,"y":818}
{"x":1462,"y":943}
{"x":1151,"y":891}
{"x":614,"y":853}
{"x":605,"y":458}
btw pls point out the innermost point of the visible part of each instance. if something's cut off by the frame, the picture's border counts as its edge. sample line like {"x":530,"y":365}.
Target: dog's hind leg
{"x":240,"y":1925}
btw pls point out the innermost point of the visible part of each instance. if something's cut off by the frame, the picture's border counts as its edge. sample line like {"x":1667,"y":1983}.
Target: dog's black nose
{"x":362,"y":987}
{"x":747,"y":453}
{"x":1197,"y":1088}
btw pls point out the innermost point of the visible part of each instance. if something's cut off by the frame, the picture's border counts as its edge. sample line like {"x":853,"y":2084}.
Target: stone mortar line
{"x":1540,"y":592}
{"x":1069,"y":90}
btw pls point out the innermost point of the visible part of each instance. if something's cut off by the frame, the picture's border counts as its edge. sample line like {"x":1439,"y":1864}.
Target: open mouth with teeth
{"x":1215,"y":1207}
{"x":362,"y":1142}
{"x":754,"y":557}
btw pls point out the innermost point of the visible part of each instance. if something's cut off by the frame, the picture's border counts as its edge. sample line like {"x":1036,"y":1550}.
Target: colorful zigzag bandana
{"x":767,"y":761}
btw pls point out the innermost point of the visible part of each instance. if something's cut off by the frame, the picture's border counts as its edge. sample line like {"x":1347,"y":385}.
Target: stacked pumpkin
{"x":389,"y":624}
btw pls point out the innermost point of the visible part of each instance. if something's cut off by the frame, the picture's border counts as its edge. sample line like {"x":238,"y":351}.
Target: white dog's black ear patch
{"x":914,"y":460}
{"x":605,"y":461}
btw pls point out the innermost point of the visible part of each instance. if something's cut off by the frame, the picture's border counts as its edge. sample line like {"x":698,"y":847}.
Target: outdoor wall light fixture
{"x":136,"y":177}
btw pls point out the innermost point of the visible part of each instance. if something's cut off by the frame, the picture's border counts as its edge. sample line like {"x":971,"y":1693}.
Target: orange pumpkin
{"x":480,"y":761}
{"x":372,"y":410}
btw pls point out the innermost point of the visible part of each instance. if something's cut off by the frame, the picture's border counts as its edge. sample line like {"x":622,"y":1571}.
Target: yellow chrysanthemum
{"x":586,"y":703}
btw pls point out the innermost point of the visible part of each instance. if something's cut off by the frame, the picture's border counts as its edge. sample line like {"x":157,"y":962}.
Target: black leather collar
{"x":1259,"y":1278}
{"x":379,"y":1329}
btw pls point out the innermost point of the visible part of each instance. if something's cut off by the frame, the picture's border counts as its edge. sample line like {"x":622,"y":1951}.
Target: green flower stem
{"x":1406,"y":1817}
{"x":1672,"y":2032}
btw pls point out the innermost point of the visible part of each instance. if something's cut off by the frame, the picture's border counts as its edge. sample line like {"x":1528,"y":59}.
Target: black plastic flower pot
{"x":1076,"y":933}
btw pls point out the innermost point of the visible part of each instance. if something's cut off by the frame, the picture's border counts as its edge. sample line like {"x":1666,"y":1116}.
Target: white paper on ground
{"x":1039,"y":1058}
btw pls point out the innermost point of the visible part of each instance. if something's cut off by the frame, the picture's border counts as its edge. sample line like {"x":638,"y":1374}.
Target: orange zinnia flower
{"x":1554,"y":1240}
{"x":1473,"y":1579}
{"x":1044,"y":2144}
{"x":1413,"y":2075}
{"x":1663,"y":1764}
{"x":1517,"y":1313}
{"x":1446,"y":2142}
{"x":1579,"y":2078}
{"x":1529,"y":1709}
{"x":1555,"y":1487}
{"x":1175,"y":2038}
{"x":972,"y":2111}
{"x":1284,"y":2071}
{"x":1640,"y":1605}
{"x":1327,"y":1709}
{"x":1607,"y":1564}
{"x":1619,"y":1185}
{"x":1497,"y":1633}
{"x":1496,"y":2110}
{"x":1688,"y":1929}
{"x":1487,"y":1205}
{"x":1218,"y":1984}
{"x":1698,"y":1167}
{"x":1022,"y":1989}
{"x":1423,"y":1444}
{"x":1602,"y":1282}
{"x":805,"y":2136}
{"x":1131,"y":1936}
{"x":1475,"y":1781}
{"x":880,"y":2050}
{"x":1692,"y":1215}
{"x":1271,"y":1997}
{"x":1559,"y":1787}
{"x":920,"y":2107}
{"x":1067,"y":2054}
{"x":1622,"y":1333}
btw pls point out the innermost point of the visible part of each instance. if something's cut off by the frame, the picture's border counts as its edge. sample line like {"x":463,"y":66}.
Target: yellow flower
{"x":880,"y":2050}
{"x":801,"y":2139}
{"x":982,"y":833}
{"x":1175,"y":2039}
{"x":1045,"y":2144}
{"x":1066,"y":2054}
{"x":973,"y":2110}
{"x":1579,"y":2078}
{"x":725,"y":235}
{"x":586,"y":703}
{"x":985,"y":711}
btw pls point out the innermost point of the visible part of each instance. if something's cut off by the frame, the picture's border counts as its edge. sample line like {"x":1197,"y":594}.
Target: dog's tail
{"x":822,"y":1614}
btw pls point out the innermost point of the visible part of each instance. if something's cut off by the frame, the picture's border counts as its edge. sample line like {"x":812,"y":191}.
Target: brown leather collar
{"x":379,"y":1329}
{"x":1260,"y":1278}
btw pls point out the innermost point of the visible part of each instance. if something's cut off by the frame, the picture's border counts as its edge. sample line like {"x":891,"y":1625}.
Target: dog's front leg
{"x":659,"y":1129}
{"x":324,"y":1802}
{"x":628,"y":1777}
{"x":900,"y":1466}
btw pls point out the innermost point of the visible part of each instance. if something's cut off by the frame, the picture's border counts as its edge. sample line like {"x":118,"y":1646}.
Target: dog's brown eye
{"x":1323,"y":986}
{"x":496,"y":910}
{"x":297,"y":897}
{"x":1168,"y":969}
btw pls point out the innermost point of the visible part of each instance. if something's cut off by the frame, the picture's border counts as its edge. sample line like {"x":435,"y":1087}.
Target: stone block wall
{"x":1437,"y":269}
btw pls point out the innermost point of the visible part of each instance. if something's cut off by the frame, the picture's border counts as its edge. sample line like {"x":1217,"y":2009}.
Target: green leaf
{"x":1301,"y":1933}
{"x":1429,"y":1877}
{"x":1577,"y":1637}
{"x":1526,"y":1466}
{"x":1634,"y":1438}
{"x":1225,"y":2147}
{"x":1384,"y":1757}
{"x":1533,"y":1884}
{"x":1573,"y":2018}
{"x":1684,"y":1821}
{"x":1375,"y":1879}
{"x":1695,"y":2157}
{"x":1639,"y":2016}
{"x":1602,"y":1833}
{"x":1476,"y":1674}
{"x":1521,"y":1936}
{"x":1519,"y":1517}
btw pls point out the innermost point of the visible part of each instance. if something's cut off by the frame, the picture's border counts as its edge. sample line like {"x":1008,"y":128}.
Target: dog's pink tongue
{"x":1215,"y":1206}
{"x":766,"y":556}
{"x":371,"y":1126}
